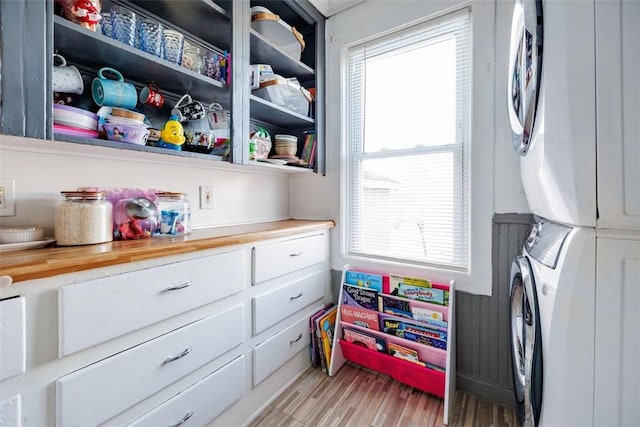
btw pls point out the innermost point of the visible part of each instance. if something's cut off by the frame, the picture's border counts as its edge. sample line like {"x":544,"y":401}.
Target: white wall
{"x":496,"y":186}
{"x":42,"y":169}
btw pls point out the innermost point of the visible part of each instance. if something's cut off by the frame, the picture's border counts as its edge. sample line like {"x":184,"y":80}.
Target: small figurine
{"x":83,"y":12}
{"x":172,"y":135}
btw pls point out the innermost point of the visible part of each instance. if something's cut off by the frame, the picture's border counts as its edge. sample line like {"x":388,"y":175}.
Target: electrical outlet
{"x":7,"y":197}
{"x":206,"y":197}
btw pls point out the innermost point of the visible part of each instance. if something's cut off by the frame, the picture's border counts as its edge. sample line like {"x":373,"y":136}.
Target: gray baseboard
{"x":490,"y":392}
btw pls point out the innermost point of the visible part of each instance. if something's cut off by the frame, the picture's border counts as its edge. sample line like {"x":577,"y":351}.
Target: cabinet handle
{"x":295,"y":254}
{"x":296,"y":297}
{"x":183,"y":420}
{"x":297,"y":339}
{"x":180,"y":356}
{"x":177,"y":287}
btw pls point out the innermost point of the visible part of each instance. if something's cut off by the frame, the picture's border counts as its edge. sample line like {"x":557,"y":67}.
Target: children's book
{"x":365,"y":340}
{"x":360,"y":316}
{"x":396,"y":350}
{"x":315,"y":351}
{"x":417,"y":288}
{"x":326,"y":325}
{"x":396,"y":306}
{"x":364,"y":280}
{"x":360,"y":297}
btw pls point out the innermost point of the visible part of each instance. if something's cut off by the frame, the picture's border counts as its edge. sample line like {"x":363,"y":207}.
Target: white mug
{"x":66,"y":78}
{"x":217,"y":116}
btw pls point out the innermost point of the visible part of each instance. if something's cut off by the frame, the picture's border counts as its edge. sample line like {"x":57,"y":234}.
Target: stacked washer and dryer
{"x":574,"y":109}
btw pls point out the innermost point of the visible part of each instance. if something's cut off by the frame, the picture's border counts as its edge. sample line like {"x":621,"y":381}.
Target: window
{"x":407,"y":104}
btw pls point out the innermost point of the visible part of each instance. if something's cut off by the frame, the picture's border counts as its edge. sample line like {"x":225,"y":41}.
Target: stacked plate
{"x":74,"y":121}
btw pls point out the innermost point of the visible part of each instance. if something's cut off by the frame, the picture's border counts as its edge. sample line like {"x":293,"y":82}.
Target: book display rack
{"x":399,"y":326}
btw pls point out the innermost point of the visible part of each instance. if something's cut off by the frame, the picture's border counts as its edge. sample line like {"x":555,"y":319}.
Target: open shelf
{"x":264,"y":52}
{"x":271,"y":113}
{"x":202,"y":18}
{"x":87,"y":47}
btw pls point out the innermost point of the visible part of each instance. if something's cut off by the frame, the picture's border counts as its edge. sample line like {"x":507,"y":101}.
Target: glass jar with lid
{"x":83,"y":218}
{"x":174,"y":214}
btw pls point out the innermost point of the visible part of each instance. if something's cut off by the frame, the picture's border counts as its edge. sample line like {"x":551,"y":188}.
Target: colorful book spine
{"x":360,"y":316}
{"x":361,"y":297}
{"x":364,"y":280}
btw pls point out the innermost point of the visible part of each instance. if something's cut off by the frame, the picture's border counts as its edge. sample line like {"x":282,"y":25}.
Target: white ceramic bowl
{"x":21,"y":234}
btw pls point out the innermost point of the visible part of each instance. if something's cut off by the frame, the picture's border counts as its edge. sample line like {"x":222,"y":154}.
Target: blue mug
{"x":113,"y":93}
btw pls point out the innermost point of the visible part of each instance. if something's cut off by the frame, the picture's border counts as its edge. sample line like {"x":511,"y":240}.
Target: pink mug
{"x":151,"y":95}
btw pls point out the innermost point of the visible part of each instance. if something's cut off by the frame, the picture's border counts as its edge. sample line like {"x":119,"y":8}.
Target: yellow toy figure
{"x":172,"y":135}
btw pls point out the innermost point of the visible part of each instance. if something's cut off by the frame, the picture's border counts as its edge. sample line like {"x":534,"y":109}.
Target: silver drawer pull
{"x":295,"y":254}
{"x":297,"y":339}
{"x":296,"y":297}
{"x":180,"y":356}
{"x":183,"y":420}
{"x":177,"y":287}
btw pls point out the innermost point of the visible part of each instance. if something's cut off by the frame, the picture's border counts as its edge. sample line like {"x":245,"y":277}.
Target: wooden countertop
{"x":51,"y":261}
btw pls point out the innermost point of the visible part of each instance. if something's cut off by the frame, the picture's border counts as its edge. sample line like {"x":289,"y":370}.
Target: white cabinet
{"x":100,"y":391}
{"x":184,"y":337}
{"x":12,"y":337}
{"x":618,"y":109}
{"x":203,"y":401}
{"x":98,"y":310}
{"x":617,"y":340}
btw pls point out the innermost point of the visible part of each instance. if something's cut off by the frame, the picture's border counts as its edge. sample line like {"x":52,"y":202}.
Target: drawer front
{"x":95,"y":311}
{"x":271,"y":307}
{"x":100,"y":391}
{"x":12,"y":337}
{"x":203,"y":401}
{"x":276,"y":259}
{"x":274,"y":352}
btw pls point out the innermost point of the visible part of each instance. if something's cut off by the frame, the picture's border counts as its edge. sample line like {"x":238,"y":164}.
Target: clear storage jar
{"x":83,"y":218}
{"x":174,"y":214}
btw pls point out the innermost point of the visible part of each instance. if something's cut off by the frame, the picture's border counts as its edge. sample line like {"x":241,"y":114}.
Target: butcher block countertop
{"x":50,"y":261}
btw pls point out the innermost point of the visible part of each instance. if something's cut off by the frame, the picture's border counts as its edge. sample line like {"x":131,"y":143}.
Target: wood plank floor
{"x":356,"y":396}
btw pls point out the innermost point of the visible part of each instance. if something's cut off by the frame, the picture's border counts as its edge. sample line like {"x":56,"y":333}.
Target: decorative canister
{"x":83,"y":218}
{"x":174,"y":214}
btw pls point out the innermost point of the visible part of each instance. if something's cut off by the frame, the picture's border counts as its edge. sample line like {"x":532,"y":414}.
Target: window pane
{"x":410,"y":97}
{"x":408,"y":209}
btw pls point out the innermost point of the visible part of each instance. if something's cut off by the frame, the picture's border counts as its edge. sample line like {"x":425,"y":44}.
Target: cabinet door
{"x":617,"y":378}
{"x":12,"y":337}
{"x":98,"y":310}
{"x":203,"y":401}
{"x":94,"y":394}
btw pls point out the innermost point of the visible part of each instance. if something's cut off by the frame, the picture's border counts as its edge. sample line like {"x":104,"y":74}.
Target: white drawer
{"x":12,"y":337}
{"x":203,"y":401}
{"x":276,"y":259}
{"x":273,"y":306}
{"x":100,"y":391}
{"x":274,"y":352}
{"x":95,"y":311}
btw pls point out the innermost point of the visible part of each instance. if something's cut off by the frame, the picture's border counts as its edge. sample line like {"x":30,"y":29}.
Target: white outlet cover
{"x":206,"y":197}
{"x":9,"y":185}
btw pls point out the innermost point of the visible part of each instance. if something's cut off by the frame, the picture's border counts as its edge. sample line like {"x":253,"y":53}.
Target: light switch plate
{"x":206,"y":197}
{"x":7,"y":197}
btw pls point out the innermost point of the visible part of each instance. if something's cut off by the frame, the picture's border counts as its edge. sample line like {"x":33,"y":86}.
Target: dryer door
{"x":525,"y":67}
{"x":526,"y":343}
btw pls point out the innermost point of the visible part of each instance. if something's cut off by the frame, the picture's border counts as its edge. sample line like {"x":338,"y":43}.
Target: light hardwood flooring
{"x":357,"y":396}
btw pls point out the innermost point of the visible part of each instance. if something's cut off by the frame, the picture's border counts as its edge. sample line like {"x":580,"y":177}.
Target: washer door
{"x":525,"y":68}
{"x":526,"y":343}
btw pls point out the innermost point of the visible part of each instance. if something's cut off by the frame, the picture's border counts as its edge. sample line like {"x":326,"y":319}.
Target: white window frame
{"x":385,"y":18}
